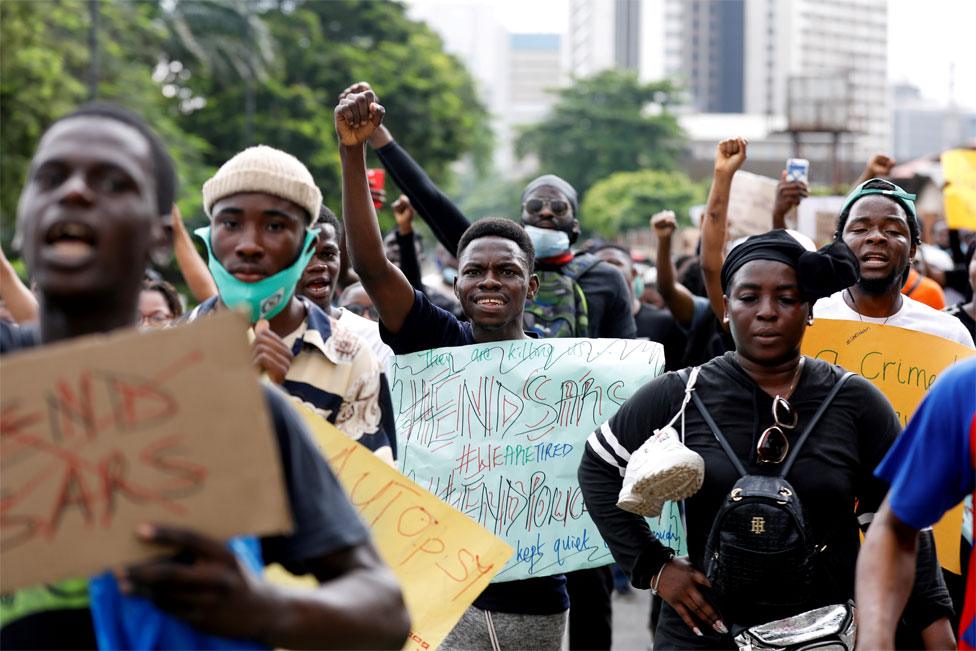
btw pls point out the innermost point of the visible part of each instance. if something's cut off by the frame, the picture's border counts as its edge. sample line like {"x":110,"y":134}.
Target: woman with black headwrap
{"x":761,"y":396}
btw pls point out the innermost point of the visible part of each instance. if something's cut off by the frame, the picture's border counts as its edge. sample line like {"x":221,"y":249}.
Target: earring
{"x":809,"y":320}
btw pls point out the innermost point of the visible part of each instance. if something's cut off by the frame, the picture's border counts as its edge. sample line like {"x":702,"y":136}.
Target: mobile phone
{"x":377,"y":180}
{"x":798,"y":169}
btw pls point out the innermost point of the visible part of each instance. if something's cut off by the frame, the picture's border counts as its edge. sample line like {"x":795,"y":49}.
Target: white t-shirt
{"x":913,"y":315}
{"x":370,"y":331}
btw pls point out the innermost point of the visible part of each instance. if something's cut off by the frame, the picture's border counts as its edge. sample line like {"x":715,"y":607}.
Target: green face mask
{"x":265,"y":298}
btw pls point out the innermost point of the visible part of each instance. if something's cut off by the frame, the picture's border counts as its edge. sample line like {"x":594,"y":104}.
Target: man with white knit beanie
{"x":262,"y":204}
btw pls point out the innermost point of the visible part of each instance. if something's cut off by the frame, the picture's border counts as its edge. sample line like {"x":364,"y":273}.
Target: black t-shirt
{"x":834,"y":469}
{"x":428,"y":326}
{"x":959,"y":311}
{"x":655,"y":324}
{"x":325,"y":522}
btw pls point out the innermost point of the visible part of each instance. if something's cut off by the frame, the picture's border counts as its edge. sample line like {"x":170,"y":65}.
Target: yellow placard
{"x":959,"y":169}
{"x":441,"y":558}
{"x":903,"y":364}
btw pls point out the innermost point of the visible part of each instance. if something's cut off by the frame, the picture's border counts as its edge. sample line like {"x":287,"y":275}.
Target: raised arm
{"x":445,"y":219}
{"x":677,"y":297}
{"x":878,"y":166}
{"x":16,"y":296}
{"x":729,"y":156}
{"x":409,"y":264}
{"x":192,"y":266}
{"x":788,"y":196}
{"x":356,"y":117}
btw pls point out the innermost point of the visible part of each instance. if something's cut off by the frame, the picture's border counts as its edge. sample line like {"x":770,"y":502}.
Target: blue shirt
{"x":930,"y":466}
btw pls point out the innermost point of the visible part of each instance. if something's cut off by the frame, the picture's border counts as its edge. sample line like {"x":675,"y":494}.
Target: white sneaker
{"x":660,"y":470}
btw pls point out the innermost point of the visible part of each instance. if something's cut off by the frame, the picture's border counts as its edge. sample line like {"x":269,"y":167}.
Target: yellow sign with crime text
{"x":903,"y":364}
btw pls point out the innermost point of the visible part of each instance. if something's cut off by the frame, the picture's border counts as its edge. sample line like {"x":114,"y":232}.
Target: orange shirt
{"x":924,"y":289}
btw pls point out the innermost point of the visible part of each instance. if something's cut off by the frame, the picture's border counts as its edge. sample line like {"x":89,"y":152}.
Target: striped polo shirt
{"x":334,"y":373}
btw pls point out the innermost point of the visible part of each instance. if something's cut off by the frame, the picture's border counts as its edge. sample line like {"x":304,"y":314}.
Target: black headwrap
{"x":819,"y":273}
{"x":553,"y":181}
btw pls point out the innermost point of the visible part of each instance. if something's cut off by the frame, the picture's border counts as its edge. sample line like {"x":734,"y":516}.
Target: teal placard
{"x":498,"y":430}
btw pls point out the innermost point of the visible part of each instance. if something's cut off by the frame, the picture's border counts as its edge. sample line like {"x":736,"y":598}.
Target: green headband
{"x":894,"y":192}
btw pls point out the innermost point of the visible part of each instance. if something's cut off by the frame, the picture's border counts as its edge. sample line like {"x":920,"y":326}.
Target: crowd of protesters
{"x":332,"y":299}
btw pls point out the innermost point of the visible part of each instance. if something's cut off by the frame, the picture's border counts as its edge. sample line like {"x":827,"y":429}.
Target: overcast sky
{"x":924,"y":38}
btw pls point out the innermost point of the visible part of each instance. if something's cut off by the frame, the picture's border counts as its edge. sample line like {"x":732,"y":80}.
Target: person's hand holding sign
{"x":271,"y":354}
{"x":205,"y":585}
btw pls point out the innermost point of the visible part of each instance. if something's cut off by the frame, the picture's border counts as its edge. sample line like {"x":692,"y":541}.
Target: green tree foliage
{"x":323,"y":47}
{"x":193,"y":66}
{"x":44,"y":67}
{"x":604,"y":124}
{"x":627,"y":200}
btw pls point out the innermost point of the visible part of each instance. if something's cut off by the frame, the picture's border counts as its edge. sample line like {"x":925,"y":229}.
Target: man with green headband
{"x":262,"y":205}
{"x":879,"y":224}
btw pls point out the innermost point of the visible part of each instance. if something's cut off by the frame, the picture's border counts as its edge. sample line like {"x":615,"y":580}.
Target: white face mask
{"x":548,"y":242}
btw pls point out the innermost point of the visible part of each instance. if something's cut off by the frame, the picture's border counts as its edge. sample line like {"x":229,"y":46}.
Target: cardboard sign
{"x":959,"y":169}
{"x":498,"y":431}
{"x":903,"y":364}
{"x":816,"y":217}
{"x":751,"y":201}
{"x":442,"y":559}
{"x":101,"y":434}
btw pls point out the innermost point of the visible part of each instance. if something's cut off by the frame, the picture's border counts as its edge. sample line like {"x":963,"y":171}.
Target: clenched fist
{"x":356,"y":117}
{"x":730,"y":154}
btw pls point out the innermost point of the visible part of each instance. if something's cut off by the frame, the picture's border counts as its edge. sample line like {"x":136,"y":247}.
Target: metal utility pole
{"x":94,"y":72}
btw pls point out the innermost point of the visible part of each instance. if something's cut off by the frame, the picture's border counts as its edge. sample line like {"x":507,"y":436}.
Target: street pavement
{"x":630,"y":614}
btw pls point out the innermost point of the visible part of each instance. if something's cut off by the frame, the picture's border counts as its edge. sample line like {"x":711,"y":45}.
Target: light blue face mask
{"x":449,"y":274}
{"x":548,"y":242}
{"x":267,"y":297}
{"x":638,"y":286}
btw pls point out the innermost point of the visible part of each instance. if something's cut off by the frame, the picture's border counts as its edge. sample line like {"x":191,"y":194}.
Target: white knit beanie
{"x":265,"y":169}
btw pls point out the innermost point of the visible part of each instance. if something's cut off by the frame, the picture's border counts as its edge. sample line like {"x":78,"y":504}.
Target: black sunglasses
{"x":535,"y":206}
{"x":773,"y":445}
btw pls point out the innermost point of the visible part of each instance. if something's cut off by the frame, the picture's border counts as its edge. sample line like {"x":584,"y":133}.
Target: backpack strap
{"x":579,"y":265}
{"x":795,"y":451}
{"x":715,"y":430}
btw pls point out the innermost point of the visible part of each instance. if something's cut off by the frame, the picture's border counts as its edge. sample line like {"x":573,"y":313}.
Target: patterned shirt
{"x":334,"y":373}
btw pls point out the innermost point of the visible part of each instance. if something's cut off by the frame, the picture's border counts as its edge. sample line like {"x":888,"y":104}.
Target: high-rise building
{"x":712,"y":62}
{"x":639,"y":35}
{"x":839,"y":46}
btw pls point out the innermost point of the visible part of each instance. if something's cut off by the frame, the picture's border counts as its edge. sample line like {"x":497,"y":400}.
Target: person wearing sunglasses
{"x":878,"y":222}
{"x":761,"y":396}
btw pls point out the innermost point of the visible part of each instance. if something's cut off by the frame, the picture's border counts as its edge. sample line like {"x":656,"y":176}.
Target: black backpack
{"x":759,"y":555}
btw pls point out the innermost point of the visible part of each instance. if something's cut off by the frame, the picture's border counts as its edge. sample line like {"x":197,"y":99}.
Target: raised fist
{"x":878,"y":166}
{"x":356,"y":117}
{"x":358,"y":87}
{"x":403,"y":213}
{"x":664,"y":223}
{"x":730,"y":154}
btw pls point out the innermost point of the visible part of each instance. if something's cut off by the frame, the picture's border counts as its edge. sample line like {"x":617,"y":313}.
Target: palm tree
{"x":227,"y":37}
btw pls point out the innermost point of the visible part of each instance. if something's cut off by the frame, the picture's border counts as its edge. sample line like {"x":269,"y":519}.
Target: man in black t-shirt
{"x":90,"y":214}
{"x":495,"y":277}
